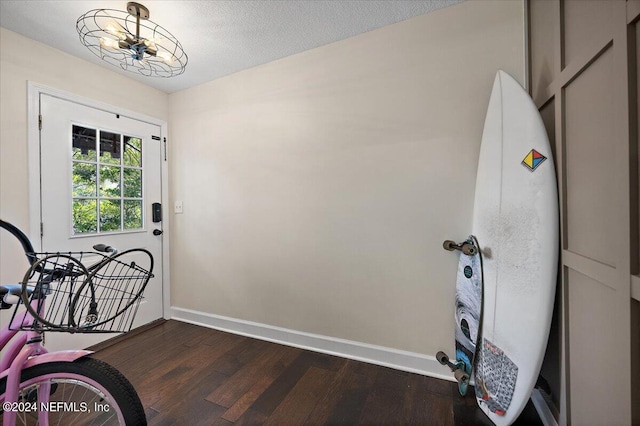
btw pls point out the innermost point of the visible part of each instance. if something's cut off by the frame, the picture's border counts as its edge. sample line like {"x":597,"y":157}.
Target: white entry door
{"x":100,"y":175}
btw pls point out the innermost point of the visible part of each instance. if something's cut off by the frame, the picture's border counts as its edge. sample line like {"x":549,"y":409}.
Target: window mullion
{"x":121,"y":183}
{"x":99,"y":180}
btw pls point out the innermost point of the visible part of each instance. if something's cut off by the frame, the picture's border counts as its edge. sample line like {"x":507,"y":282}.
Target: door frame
{"x":34,"y":91}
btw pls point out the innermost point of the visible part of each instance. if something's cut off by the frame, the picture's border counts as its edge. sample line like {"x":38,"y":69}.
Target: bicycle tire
{"x":108,"y":397}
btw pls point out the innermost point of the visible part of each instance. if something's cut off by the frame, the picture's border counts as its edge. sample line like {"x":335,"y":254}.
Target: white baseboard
{"x":388,"y":357}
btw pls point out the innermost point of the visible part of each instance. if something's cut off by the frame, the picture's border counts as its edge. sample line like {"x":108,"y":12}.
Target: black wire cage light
{"x":129,"y":40}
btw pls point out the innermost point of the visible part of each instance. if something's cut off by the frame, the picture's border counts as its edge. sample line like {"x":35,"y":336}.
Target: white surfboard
{"x":515,"y":218}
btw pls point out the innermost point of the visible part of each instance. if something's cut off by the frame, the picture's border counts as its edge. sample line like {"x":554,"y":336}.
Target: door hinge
{"x":40,"y":122}
{"x":41,"y":229}
{"x":165,"y":149}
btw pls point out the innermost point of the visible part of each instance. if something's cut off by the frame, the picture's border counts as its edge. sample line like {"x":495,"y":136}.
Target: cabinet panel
{"x":590,"y":163}
{"x":594,"y":95}
{"x":586,"y":24}
{"x":593,"y":343}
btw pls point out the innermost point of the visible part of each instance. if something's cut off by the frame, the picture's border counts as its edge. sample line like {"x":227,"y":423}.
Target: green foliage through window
{"x":106,"y":184}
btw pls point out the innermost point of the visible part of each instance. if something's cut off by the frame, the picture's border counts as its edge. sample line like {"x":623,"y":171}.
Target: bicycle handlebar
{"x":105,"y":249}
{"x":28,"y":247}
{"x":24,"y":240}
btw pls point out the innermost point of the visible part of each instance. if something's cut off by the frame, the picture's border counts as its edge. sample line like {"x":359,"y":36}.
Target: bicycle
{"x":69,"y":387}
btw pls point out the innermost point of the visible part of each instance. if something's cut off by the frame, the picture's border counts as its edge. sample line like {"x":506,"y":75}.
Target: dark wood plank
{"x":124,"y":347}
{"x":302,"y":399}
{"x":186,"y":374}
{"x":260,"y":381}
{"x":181,"y":393}
{"x":422,"y":406}
{"x":439,"y":386}
{"x":275,"y":394}
{"x":247,"y":351}
{"x":384,"y":403}
{"x":122,"y":337}
{"x":251,"y":418}
{"x":179,"y":372}
{"x":194,"y":412}
{"x":156,"y":345}
{"x":243,"y":379}
{"x":344,"y":400}
{"x":241,"y":406}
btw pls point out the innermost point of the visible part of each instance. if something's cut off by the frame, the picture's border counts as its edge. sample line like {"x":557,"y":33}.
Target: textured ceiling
{"x":220,"y":37}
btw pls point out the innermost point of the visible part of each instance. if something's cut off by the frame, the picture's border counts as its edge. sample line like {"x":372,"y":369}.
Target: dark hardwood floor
{"x":191,"y":375}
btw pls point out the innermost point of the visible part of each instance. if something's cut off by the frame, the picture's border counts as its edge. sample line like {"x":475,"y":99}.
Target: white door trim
{"x":34,"y":90}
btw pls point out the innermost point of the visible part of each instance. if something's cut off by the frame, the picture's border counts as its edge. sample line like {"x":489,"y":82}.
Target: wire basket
{"x":62,"y":293}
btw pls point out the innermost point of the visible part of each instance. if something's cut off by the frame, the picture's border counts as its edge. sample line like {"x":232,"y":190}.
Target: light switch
{"x":177,"y":207}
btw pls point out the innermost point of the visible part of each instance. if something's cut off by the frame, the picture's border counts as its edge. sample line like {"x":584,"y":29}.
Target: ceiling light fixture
{"x":131,"y":41}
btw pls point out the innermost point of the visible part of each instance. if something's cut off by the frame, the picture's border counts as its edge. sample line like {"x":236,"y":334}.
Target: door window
{"x":107,"y":176}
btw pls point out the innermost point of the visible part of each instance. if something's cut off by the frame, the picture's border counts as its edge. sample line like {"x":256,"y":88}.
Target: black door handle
{"x":157,"y":232}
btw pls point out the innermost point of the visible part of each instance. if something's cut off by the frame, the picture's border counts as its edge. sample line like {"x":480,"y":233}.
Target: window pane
{"x":132,"y":183}
{"x":106,"y":181}
{"x":84,"y":180}
{"x":132,"y":214}
{"x":110,"y":215}
{"x":83,"y":143}
{"x":85,"y":216}
{"x":132,"y":151}
{"x":109,"y":181}
{"x":110,"y":148}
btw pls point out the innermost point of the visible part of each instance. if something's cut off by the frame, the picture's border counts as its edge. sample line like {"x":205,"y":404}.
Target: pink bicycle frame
{"x":24,"y":352}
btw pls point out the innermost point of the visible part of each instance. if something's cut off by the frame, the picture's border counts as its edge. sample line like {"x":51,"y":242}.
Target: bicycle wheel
{"x":84,"y":392}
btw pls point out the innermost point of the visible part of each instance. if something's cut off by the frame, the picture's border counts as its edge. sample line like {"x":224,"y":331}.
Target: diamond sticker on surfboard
{"x":533,"y":160}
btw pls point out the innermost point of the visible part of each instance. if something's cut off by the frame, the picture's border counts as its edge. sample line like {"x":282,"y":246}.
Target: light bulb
{"x":150,"y":43}
{"x":151,"y":48}
{"x":166,"y":57}
{"x":109,"y":43}
{"x":115,"y":29}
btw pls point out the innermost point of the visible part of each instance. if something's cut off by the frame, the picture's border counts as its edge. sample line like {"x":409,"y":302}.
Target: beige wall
{"x":22,"y":60}
{"x":318,"y":188}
